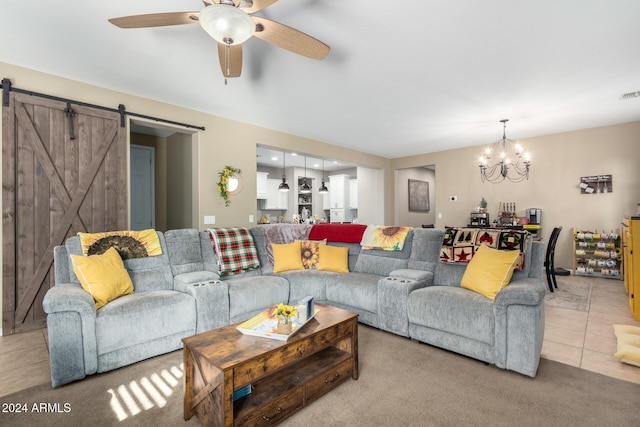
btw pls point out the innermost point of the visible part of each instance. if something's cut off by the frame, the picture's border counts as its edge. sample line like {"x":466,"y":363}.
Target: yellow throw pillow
{"x":489,"y":271}
{"x":103,"y":276}
{"x":310,"y":252}
{"x":286,"y":257}
{"x":334,"y":258}
{"x":628,"y":344}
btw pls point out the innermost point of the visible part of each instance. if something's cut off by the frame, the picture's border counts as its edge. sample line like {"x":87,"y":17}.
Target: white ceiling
{"x":402,"y":78}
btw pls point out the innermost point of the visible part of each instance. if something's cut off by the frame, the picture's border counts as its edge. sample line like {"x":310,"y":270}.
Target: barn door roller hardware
{"x":7,"y":87}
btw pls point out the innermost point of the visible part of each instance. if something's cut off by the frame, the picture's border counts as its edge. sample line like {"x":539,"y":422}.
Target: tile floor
{"x":581,"y":339}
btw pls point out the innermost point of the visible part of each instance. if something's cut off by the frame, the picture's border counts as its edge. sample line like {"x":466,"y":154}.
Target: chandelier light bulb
{"x":513,"y":164}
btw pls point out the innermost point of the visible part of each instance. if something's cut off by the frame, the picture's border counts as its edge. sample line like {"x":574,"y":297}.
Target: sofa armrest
{"x":519,"y":325}
{"x":212,"y":302}
{"x":71,"y":324}
{"x":527,"y":291}
{"x":69,"y":297}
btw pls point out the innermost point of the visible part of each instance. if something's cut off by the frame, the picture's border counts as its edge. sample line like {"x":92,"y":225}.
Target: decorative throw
{"x":343,"y":233}
{"x":387,"y":238}
{"x":283,"y":233}
{"x":461,"y":244}
{"x":234,"y":249}
{"x":128,"y":243}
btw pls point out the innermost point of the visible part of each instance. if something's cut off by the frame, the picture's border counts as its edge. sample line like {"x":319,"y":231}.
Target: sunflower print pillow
{"x":128,"y":243}
{"x":310,"y":252}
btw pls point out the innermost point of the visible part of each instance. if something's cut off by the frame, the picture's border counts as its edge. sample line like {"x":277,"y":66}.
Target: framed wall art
{"x":418,"y":196}
{"x":596,"y":184}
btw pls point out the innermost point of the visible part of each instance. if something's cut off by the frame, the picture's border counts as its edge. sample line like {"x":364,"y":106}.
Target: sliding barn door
{"x":53,"y":186}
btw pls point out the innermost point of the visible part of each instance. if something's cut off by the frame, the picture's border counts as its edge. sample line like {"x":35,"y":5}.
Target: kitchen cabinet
{"x":261,"y":185}
{"x":276,"y":200}
{"x":353,"y":193}
{"x":339,"y":193}
{"x":337,"y":215}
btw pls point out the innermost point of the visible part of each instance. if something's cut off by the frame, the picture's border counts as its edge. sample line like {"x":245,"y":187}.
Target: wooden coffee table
{"x":284,"y":375}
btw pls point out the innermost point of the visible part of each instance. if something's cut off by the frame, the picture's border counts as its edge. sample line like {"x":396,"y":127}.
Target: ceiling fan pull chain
{"x":226,"y":60}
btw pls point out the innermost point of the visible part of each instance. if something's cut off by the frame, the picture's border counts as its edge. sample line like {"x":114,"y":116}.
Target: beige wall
{"x":224,"y":142}
{"x":558,"y":163}
{"x":402,"y":214}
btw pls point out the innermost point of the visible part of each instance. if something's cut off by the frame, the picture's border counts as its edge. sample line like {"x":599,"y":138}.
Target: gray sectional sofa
{"x":178,"y":294}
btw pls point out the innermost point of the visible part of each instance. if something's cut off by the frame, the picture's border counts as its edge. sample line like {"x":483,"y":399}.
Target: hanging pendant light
{"x":304,"y":188}
{"x":284,"y":187}
{"x":323,"y":188}
{"x":512,"y":163}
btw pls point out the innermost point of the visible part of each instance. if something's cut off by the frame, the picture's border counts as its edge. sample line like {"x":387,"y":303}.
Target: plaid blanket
{"x":234,"y":249}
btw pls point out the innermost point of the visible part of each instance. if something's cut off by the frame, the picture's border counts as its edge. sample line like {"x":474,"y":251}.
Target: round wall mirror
{"x":234,"y":184}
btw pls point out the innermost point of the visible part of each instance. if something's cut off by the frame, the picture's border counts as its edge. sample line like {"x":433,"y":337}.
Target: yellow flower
{"x":287,"y":311}
{"x":223,"y":184}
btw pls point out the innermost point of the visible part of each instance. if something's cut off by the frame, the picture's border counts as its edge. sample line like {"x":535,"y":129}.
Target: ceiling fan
{"x":231,"y":23}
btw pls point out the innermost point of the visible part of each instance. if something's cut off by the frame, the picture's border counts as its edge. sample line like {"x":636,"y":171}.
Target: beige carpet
{"x":574,"y":295}
{"x":402,"y":383}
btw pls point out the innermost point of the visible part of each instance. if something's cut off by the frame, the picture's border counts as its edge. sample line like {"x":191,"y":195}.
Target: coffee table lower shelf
{"x":279,"y":395}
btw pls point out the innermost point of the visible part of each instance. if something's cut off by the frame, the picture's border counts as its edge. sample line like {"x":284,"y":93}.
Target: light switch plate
{"x":251,"y":218}
{"x":209,"y":219}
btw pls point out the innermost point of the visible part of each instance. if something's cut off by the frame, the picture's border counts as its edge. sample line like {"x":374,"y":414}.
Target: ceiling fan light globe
{"x":227,"y":24}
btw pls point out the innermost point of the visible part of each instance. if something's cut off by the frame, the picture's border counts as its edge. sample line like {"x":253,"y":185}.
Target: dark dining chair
{"x":549,"y":264}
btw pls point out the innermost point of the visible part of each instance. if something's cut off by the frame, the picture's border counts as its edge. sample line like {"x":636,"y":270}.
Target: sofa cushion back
{"x":209,"y":260}
{"x":147,"y":274}
{"x":425,"y":252}
{"x":258,"y":239}
{"x":450,"y":273}
{"x":185,"y":254}
{"x":377,"y":261}
{"x":354,"y":252}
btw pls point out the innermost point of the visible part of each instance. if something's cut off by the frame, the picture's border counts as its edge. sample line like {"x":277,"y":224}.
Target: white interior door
{"x":142,"y":187}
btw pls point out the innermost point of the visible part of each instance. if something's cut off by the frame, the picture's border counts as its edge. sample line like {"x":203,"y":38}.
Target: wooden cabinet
{"x":261,"y":185}
{"x":276,"y":200}
{"x":631,"y":243}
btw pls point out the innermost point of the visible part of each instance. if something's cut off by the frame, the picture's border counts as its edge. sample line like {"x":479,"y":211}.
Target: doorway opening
{"x":172,"y":180}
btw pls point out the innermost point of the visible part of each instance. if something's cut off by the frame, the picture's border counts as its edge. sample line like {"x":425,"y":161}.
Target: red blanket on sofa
{"x":345,"y":233}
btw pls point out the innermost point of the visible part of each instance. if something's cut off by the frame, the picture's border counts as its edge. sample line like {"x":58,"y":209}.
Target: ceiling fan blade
{"x":230,"y":57}
{"x":258,"y":5}
{"x":156,"y":20}
{"x":289,"y":38}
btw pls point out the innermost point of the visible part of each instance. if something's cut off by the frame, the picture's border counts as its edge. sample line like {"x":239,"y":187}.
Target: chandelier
{"x":511,"y":164}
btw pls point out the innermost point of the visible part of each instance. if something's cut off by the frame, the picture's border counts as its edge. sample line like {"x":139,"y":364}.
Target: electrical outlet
{"x":209,"y":219}
{"x":439,"y":215}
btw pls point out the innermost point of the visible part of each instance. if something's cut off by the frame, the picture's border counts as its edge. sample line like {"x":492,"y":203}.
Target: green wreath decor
{"x":223,"y":184}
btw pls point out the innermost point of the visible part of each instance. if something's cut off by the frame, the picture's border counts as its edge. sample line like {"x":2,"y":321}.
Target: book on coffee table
{"x":265,"y":325}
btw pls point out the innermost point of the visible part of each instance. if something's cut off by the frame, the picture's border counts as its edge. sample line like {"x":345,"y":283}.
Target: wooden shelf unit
{"x":597,"y":254}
